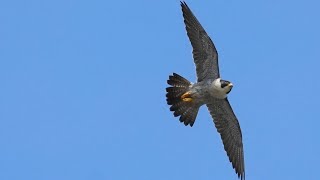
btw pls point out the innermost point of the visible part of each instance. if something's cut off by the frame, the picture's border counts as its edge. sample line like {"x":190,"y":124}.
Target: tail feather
{"x":189,"y":116}
{"x":186,"y":110}
{"x":177,"y":80}
{"x":174,"y":92}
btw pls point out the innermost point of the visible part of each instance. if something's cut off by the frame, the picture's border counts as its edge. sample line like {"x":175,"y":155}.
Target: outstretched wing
{"x":228,"y":126}
{"x":204,"y":52}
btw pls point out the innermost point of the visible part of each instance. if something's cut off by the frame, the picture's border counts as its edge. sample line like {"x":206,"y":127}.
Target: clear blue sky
{"x":82,"y":92}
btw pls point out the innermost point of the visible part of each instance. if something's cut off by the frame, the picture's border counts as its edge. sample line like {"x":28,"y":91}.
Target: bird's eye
{"x":224,"y":84}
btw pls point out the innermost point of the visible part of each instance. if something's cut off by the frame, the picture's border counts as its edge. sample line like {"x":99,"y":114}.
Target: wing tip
{"x":242,"y":175}
{"x":184,"y":5}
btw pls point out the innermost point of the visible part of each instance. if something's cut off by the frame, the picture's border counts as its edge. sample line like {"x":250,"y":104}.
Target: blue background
{"x":82,"y":93}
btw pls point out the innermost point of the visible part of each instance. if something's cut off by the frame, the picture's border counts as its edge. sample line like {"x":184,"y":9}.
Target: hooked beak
{"x":230,"y":85}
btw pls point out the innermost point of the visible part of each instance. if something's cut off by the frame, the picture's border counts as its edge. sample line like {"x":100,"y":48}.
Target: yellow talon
{"x":186,"y":97}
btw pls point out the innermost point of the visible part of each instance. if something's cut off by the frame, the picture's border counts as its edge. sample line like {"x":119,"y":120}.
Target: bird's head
{"x":226,"y":86}
{"x":221,"y":88}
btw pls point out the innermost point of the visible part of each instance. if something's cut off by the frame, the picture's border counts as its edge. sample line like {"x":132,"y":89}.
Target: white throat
{"x":217,"y":91}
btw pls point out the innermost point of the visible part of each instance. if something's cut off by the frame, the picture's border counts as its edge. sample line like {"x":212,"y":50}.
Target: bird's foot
{"x":186,"y":97}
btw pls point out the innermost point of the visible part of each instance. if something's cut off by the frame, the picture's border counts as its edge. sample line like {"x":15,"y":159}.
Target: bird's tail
{"x":187,"y":110}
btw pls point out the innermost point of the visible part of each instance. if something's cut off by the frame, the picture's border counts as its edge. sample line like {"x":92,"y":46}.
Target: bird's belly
{"x":198,"y":94}
{"x":203,"y":93}
{"x":217,"y":94}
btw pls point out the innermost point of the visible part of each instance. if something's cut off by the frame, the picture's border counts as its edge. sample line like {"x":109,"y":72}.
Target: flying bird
{"x":185,"y":98}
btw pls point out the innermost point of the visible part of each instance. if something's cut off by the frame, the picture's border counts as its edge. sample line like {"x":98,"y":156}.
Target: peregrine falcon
{"x":185,"y":98}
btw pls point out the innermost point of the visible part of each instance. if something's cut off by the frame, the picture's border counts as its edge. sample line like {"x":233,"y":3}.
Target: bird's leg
{"x":186,"y":97}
